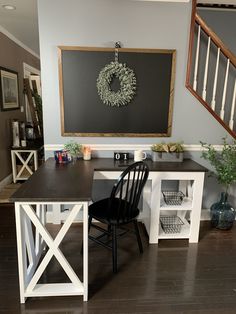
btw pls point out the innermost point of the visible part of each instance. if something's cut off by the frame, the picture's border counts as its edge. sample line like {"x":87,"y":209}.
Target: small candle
{"x":87,"y":153}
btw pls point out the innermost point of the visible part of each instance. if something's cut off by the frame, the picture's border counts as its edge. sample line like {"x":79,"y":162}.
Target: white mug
{"x":139,"y":155}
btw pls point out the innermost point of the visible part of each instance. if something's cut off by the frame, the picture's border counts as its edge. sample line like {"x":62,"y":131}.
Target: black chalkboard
{"x":84,"y":114}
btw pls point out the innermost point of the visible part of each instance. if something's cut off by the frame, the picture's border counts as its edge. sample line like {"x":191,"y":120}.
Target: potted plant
{"x":73,"y":148}
{"x":172,"y":151}
{"x":224,"y":164}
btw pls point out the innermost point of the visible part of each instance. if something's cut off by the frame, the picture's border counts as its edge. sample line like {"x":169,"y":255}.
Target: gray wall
{"x":136,"y":24}
{"x":12,"y":57}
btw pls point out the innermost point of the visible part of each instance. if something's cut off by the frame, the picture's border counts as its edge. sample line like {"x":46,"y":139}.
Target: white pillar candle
{"x":87,"y":153}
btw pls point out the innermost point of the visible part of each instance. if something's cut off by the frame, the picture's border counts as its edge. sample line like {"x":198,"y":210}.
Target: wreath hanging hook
{"x":126,"y":77}
{"x":117,"y":46}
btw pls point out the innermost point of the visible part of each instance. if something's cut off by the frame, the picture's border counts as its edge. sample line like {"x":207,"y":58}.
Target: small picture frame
{"x":9,"y":90}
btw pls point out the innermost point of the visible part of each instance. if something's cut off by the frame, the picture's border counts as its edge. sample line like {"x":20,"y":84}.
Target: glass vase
{"x":222,"y":213}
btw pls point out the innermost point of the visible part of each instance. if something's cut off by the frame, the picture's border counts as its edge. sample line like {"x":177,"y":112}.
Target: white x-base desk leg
{"x":30,"y":248}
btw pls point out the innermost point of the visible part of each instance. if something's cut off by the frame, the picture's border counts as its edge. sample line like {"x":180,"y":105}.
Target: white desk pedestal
{"x":30,"y":249}
{"x":190,"y":183}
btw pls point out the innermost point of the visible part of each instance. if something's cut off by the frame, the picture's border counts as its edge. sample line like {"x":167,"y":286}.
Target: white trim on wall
{"x":205,"y":216}
{"x":29,"y":69}
{"x":163,"y":0}
{"x":18,"y":42}
{"x":128,"y":147}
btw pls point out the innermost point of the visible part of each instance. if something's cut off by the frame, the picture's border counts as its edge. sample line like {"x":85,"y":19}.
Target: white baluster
{"x":231,"y":121}
{"x":213,"y":101}
{"x":222,"y":111}
{"x":196,"y":59}
{"x":206,"y":69}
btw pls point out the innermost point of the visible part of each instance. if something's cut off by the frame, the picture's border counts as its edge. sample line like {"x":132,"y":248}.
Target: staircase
{"x":211,"y":73}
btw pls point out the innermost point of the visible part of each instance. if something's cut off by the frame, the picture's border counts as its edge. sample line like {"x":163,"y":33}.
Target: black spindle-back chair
{"x":120,"y":208}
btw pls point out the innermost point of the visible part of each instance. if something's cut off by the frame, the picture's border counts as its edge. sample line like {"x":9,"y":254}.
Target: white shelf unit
{"x":191,"y":184}
{"x":179,"y":210}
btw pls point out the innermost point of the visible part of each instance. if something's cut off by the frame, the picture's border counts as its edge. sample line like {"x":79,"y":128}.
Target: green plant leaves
{"x":223,"y":162}
{"x":73,"y":148}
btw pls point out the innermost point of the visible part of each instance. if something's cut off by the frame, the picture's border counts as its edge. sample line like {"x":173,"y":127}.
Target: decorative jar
{"x":222,"y":213}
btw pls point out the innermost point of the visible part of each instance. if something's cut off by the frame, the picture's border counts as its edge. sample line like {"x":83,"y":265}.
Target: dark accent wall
{"x":84,"y":112}
{"x":12,"y":56}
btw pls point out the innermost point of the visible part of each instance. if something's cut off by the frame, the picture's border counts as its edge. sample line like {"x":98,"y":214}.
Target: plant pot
{"x":167,"y":157}
{"x":74,"y":158}
{"x":222,"y":213}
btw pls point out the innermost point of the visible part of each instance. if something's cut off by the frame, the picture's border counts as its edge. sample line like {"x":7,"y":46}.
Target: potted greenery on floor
{"x":169,"y":152}
{"x":224,"y":164}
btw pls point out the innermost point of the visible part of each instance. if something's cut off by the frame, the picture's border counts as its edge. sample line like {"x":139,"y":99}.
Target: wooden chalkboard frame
{"x":171,"y":52}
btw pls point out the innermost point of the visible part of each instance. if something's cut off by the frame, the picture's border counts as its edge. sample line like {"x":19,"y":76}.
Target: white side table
{"x":25,"y":155}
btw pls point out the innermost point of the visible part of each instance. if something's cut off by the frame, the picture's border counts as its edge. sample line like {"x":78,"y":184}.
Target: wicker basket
{"x":173,"y":198}
{"x":171,"y":224}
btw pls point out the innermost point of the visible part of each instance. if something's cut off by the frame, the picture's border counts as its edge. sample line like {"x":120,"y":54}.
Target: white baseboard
{"x":5,"y":181}
{"x":62,"y":218}
{"x":205,"y":215}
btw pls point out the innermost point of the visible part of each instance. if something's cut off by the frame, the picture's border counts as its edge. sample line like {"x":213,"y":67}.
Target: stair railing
{"x":200,"y":72}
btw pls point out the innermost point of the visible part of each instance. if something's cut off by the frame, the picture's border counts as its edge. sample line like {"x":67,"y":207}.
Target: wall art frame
{"x":9,"y":89}
{"x":82,"y":111}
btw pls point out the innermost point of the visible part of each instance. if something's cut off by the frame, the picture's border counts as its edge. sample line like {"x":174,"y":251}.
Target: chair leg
{"x":89,"y":223}
{"x":114,"y":249}
{"x":138,"y":236}
{"x":108,"y":230}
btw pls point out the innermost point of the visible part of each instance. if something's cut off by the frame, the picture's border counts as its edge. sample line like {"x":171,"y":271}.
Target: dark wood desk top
{"x":108,"y":164}
{"x":73,"y":182}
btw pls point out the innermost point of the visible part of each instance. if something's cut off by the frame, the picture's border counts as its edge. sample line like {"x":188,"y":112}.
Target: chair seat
{"x":120,"y":208}
{"x":99,"y":210}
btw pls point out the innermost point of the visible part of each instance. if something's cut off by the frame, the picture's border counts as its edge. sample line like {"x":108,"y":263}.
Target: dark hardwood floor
{"x":171,"y":277}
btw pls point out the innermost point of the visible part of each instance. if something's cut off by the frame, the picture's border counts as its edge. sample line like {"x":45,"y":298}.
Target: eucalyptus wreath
{"x":127,"y":81}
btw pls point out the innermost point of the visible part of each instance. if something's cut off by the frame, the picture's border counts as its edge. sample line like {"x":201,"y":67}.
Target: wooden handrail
{"x":225,"y":51}
{"x":228,"y":54}
{"x":191,"y":38}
